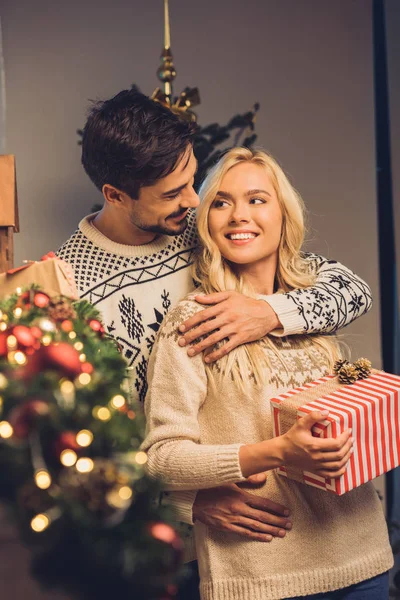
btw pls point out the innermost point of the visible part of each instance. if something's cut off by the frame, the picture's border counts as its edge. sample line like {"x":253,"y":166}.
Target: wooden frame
{"x":9,"y":222}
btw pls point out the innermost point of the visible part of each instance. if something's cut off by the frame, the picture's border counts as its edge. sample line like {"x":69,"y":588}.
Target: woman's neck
{"x":260,"y":275}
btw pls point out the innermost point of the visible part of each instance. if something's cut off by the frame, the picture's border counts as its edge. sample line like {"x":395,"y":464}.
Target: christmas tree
{"x":72,"y":469}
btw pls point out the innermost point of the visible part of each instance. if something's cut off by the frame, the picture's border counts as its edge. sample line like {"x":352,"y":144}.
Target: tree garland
{"x":72,"y":469}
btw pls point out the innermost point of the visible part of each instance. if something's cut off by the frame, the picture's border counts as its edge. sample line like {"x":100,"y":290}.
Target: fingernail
{"x":289,"y":525}
{"x":182,"y":342}
{"x":191,"y":352}
{"x":269,"y":538}
{"x":181,"y":328}
{"x":351,"y":450}
{"x":281,"y":533}
{"x":286,"y":513}
{"x":349,"y":430}
{"x":324,"y":413}
{"x":207,"y":360}
{"x":352,"y":440}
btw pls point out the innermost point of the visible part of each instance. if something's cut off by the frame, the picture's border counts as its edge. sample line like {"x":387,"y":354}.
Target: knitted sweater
{"x":195,"y":431}
{"x":135,"y":286}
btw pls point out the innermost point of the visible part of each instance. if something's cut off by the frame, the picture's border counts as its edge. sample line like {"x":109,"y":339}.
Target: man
{"x":132,"y":260}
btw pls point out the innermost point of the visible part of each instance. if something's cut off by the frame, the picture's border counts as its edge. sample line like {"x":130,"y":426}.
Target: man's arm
{"x":337,"y":298}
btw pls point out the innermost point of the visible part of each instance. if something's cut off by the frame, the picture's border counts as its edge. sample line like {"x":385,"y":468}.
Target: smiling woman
{"x":210,"y":424}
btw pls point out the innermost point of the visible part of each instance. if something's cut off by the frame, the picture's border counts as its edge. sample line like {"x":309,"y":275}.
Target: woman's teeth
{"x":241,"y":236}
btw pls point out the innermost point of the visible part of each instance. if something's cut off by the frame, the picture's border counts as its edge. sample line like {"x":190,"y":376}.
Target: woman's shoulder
{"x":182,"y":311}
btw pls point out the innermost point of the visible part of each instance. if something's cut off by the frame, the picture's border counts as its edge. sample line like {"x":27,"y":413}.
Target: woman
{"x":210,"y":424}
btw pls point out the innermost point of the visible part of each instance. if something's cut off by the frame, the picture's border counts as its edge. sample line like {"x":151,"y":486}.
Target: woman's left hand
{"x":232,"y":316}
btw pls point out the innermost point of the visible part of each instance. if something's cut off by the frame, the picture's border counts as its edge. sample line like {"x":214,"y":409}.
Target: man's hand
{"x":232,"y":316}
{"x":229,"y":508}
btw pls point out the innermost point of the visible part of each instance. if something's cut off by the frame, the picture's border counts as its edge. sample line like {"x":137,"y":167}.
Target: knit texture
{"x":135,"y":286}
{"x":194,"y":431}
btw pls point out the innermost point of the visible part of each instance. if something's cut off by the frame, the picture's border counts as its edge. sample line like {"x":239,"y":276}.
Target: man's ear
{"x":114,"y":196}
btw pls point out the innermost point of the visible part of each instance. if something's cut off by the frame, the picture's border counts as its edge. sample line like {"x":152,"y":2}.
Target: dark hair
{"x":131,"y":141}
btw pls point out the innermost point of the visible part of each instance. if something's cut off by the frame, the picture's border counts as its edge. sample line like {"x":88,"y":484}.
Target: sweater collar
{"x":88,"y":229}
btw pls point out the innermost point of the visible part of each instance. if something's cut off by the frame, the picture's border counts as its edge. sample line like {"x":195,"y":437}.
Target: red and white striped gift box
{"x":370,"y":407}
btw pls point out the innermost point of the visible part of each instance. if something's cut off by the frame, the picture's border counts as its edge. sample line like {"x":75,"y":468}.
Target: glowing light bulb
{"x":40,"y":523}
{"x":20,"y":358}
{"x":141,"y":458}
{"x":84,"y":378}
{"x":12,"y":342}
{"x":68,"y":458}
{"x":72,"y":335}
{"x":17,"y":312}
{"x":102,"y":413}
{"x":118,"y":401}
{"x":125,"y":492}
{"x":67,"y":387}
{"x":46,"y":340}
{"x":3,"y":381}
{"x":84,"y":465}
{"x":82,"y":357}
{"x":78,"y":346}
{"x":84,"y":438}
{"x":43,"y":479}
{"x":6,"y":429}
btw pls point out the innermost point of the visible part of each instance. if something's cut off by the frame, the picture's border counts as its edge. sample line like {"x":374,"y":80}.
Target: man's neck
{"x":121,"y":231}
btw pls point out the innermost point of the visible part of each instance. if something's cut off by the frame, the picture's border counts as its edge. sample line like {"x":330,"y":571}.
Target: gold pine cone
{"x":339,"y":364}
{"x":348,"y":374}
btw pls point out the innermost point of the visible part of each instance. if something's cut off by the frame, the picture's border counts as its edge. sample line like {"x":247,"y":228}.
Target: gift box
{"x":53,"y":275}
{"x":370,"y":407}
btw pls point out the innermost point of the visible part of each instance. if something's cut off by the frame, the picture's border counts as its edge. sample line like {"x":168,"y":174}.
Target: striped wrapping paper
{"x":370,"y":407}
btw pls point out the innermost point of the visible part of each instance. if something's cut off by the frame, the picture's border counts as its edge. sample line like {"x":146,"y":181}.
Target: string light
{"x":84,"y":378}
{"x":125,"y":492}
{"x":43,"y":479}
{"x":82,"y":357}
{"x":72,"y":335}
{"x":40,"y":523}
{"x":46,"y":340}
{"x":67,"y":387}
{"x":102,"y":413}
{"x":46,"y":325}
{"x":119,"y":498}
{"x":84,"y":438}
{"x":6,"y":429}
{"x":68,"y":458}
{"x":12,"y":342}
{"x":18,"y":291}
{"x":78,"y":346}
{"x":3,"y":326}
{"x":141,"y":458}
{"x":3,"y":381}
{"x":20,"y":358}
{"x":84,"y":465}
{"x":17,"y":312}
{"x":118,"y":401}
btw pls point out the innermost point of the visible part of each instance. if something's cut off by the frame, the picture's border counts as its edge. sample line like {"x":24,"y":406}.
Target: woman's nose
{"x":240,"y":215}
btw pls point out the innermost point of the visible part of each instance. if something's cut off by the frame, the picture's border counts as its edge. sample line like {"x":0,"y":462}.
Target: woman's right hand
{"x":326,"y":456}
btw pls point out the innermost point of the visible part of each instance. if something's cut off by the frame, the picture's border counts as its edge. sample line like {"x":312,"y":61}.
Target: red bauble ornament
{"x":22,"y":417}
{"x":167,"y":534}
{"x":66,"y":441}
{"x":67,"y":325}
{"x":3,"y":343}
{"x":87,"y":368}
{"x":96,"y":325}
{"x":36,"y":332}
{"x":24,"y":336}
{"x":41,"y":300}
{"x":24,"y":300}
{"x":63,"y":357}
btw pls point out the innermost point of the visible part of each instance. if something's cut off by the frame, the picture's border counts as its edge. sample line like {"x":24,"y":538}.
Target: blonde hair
{"x":214,"y":273}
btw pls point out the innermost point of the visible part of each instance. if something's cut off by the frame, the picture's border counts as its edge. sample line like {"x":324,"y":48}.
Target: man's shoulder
{"x":73,"y":247}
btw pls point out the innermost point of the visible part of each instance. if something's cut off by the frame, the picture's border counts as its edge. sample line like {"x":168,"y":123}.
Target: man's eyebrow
{"x":174,"y":191}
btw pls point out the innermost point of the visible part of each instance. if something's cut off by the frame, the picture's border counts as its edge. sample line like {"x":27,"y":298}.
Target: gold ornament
{"x":348,"y":374}
{"x":339,"y":364}
{"x":363,"y":366}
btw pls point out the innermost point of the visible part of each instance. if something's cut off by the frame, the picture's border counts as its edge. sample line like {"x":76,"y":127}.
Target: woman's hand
{"x":327,"y":457}
{"x":298,"y":448}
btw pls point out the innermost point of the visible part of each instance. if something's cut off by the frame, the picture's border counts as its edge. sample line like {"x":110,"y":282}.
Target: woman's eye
{"x":258,"y":201}
{"x":219,"y":203}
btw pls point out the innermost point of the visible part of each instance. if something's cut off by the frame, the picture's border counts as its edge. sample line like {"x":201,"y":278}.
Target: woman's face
{"x":245,"y":219}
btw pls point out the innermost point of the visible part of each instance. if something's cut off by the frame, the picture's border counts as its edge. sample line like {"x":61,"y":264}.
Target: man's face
{"x":162,"y":208}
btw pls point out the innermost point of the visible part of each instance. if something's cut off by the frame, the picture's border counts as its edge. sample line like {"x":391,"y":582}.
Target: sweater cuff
{"x":288,"y":314}
{"x":181,"y":505}
{"x":228,"y":464}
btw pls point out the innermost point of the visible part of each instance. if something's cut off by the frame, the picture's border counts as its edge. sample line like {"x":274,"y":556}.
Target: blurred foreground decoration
{"x":72,"y":470}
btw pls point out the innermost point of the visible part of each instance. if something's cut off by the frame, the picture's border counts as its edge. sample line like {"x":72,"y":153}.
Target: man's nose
{"x":190,"y":200}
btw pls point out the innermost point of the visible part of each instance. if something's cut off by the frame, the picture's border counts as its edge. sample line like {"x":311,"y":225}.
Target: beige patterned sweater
{"x":194,"y":435}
